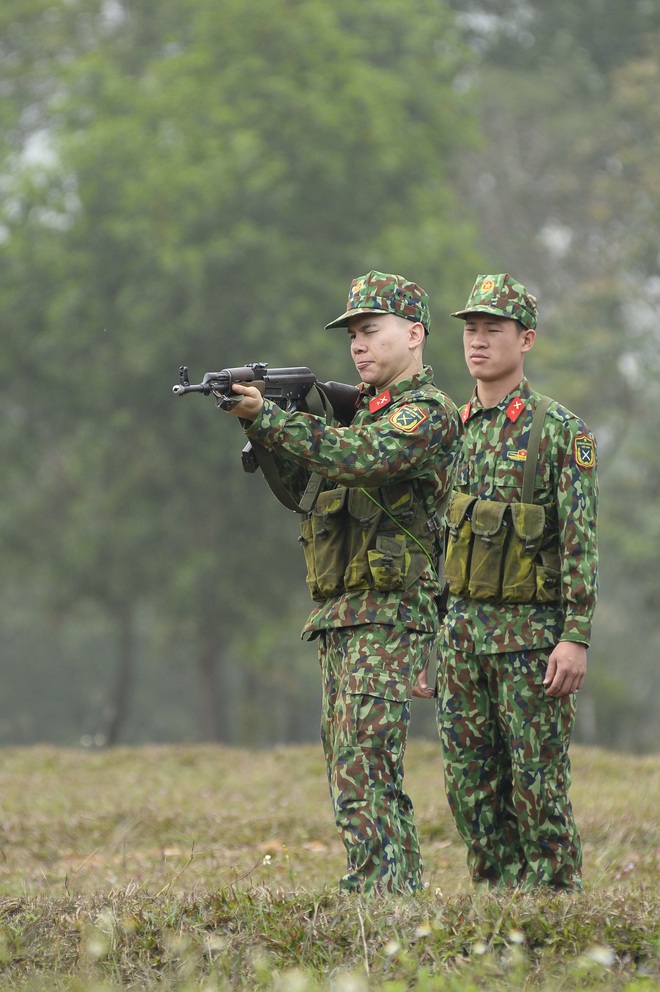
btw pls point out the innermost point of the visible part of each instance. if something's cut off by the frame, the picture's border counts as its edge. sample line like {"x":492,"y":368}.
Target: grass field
{"x":210,"y":868}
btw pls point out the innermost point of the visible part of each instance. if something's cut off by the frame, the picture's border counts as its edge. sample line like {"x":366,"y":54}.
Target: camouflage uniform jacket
{"x":491,"y":466}
{"x":408,"y":432}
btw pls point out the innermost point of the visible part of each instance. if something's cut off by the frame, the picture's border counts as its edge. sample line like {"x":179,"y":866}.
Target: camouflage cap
{"x":501,"y":295}
{"x":379,"y":292}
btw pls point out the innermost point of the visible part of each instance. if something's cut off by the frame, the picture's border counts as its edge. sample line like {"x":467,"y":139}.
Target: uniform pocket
{"x":380,"y":685}
{"x":519,"y":575}
{"x":388,"y":563}
{"x":366,"y":515}
{"x":491,"y":531}
{"x":548,"y":578}
{"x":459,"y":543}
{"x":322,"y":536}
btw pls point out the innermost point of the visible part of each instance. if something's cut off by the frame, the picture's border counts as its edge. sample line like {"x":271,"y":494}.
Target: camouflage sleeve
{"x":390,"y":448}
{"x":294,"y":477}
{"x":577,"y":509}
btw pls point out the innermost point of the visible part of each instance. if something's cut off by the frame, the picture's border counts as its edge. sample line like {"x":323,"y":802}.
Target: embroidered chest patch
{"x":585,"y":451}
{"x":408,"y":418}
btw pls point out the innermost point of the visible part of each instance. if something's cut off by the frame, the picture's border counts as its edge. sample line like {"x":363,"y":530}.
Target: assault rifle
{"x":293,"y":389}
{"x":289,"y":388}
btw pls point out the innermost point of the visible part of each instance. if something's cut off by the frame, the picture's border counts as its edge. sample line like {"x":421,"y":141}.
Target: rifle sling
{"x":319,"y":405}
{"x":531,"y":461}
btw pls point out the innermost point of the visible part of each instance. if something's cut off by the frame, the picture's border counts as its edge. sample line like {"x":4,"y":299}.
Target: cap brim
{"x":345,"y":317}
{"x":496,"y":313}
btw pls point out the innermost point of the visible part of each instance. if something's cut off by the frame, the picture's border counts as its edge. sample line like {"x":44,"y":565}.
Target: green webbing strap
{"x":531,"y":461}
{"x":318,"y":404}
{"x":400,"y":525}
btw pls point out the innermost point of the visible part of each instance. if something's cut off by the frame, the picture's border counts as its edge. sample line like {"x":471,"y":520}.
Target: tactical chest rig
{"x":356,"y":539}
{"x":503,"y":551}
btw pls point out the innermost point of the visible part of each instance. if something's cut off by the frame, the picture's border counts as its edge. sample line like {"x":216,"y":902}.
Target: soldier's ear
{"x":527,"y":338}
{"x":417,"y":334}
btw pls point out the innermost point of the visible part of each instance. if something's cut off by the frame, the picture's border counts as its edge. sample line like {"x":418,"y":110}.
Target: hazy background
{"x":196,"y":182}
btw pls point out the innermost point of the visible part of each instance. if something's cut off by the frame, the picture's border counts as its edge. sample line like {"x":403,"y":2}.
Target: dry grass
{"x":214,"y":868}
{"x":201,"y":817}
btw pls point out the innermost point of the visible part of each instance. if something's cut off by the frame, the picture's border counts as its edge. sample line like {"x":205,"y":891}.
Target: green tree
{"x":566,"y":190}
{"x":527,"y":35}
{"x":215,"y":176}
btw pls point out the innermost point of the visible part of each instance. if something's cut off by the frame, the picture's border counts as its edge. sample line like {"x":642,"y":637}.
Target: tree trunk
{"x":212,"y":704}
{"x":115,"y":708}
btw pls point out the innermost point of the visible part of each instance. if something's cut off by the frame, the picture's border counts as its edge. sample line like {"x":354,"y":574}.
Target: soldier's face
{"x":385,"y":348}
{"x":495,"y":347}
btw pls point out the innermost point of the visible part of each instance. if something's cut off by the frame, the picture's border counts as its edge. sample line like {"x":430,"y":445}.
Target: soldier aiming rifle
{"x":375,"y":487}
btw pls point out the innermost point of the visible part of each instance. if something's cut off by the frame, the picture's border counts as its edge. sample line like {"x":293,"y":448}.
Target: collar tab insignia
{"x":515,"y":408}
{"x":379,"y":402}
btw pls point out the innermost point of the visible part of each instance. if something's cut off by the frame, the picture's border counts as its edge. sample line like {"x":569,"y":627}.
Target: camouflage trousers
{"x":507,"y":770}
{"x":368,"y":674}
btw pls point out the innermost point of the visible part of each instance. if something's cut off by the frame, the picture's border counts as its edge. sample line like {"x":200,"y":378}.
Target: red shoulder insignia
{"x":379,"y":402}
{"x":515,"y":408}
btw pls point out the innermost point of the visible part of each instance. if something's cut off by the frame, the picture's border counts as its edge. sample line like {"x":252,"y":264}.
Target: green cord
{"x":399,"y":524}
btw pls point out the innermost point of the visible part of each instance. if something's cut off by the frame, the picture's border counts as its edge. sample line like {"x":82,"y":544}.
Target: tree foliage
{"x":567,"y":197}
{"x":209,"y":179}
{"x":194,"y":183}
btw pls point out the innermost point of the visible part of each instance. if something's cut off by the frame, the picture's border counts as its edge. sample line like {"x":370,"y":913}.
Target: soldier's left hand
{"x":567,"y":668}
{"x":250,"y":406}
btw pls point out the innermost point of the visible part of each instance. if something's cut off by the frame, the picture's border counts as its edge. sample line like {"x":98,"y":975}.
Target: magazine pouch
{"x":490,"y":529}
{"x":459,"y":543}
{"x":322,"y":535}
{"x":519,"y":572}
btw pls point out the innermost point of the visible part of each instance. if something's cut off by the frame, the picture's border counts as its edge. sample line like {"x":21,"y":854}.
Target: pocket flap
{"x":390,"y":546}
{"x":458,"y":508}
{"x":361,"y":507}
{"x":528,"y":520}
{"x":487,"y":517}
{"x":382,"y":685}
{"x":398,"y":499}
{"x":330,"y":502}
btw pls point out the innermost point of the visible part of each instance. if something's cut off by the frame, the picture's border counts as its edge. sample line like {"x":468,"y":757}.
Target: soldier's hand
{"x":567,"y":668}
{"x":250,"y":406}
{"x":421,"y":687}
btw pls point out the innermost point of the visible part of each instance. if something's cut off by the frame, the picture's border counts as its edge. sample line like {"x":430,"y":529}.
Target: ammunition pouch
{"x":354,"y":541}
{"x":501,"y":551}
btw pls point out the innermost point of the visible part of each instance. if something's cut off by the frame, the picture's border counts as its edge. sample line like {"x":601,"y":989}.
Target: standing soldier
{"x":522,"y":574}
{"x":372,"y":548}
